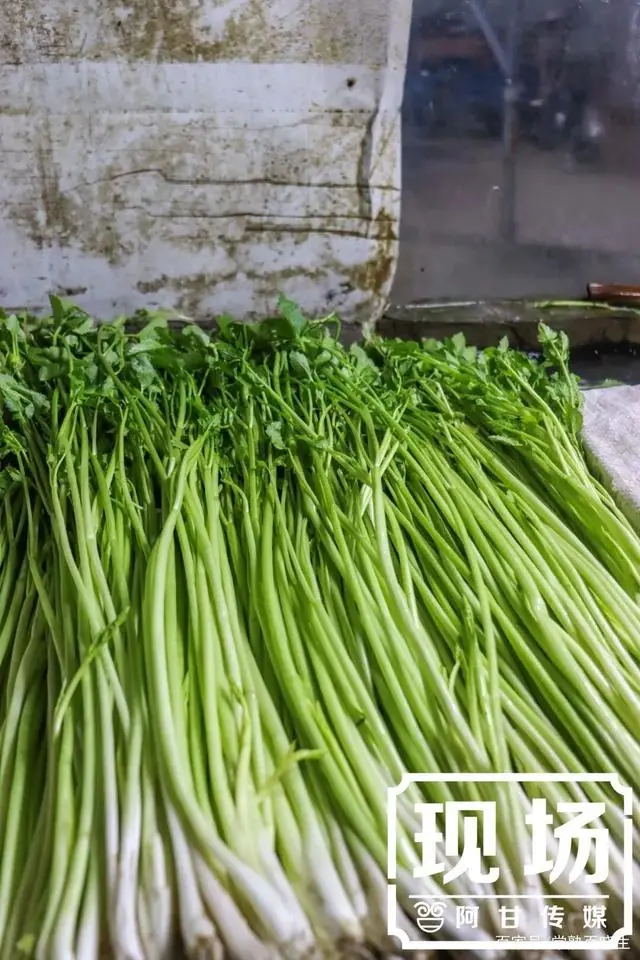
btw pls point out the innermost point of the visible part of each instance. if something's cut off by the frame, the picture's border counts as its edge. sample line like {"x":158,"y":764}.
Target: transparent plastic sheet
{"x":541,"y":205}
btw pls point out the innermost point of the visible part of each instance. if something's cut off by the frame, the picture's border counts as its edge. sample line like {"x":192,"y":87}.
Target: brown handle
{"x":613,"y":293}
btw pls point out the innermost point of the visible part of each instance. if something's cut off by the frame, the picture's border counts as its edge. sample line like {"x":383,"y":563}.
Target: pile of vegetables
{"x":250,"y":578}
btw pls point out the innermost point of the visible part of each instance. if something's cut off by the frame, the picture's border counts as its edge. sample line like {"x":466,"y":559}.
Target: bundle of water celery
{"x":248,"y":581}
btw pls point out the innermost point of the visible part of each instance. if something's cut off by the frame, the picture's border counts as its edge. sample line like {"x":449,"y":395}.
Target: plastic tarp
{"x":201,"y":154}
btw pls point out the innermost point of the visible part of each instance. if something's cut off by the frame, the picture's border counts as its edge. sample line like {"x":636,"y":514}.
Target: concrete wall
{"x":201,"y":154}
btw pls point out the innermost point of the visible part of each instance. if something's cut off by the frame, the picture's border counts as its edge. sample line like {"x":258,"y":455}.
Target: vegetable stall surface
{"x":247,"y":580}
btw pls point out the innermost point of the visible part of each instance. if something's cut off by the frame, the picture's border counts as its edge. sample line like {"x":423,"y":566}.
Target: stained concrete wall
{"x":201,"y":154}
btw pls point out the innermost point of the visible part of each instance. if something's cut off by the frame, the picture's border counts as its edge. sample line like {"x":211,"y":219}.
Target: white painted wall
{"x":201,"y":154}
